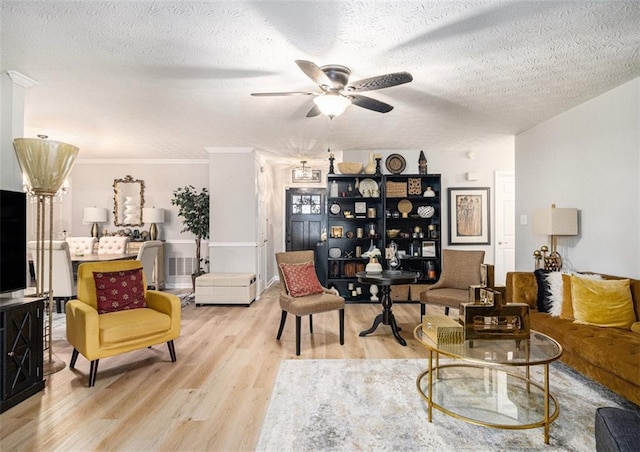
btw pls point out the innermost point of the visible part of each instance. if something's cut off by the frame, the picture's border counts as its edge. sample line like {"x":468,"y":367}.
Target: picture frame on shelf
{"x":428,"y":248}
{"x":469,"y":221}
{"x":360,"y":207}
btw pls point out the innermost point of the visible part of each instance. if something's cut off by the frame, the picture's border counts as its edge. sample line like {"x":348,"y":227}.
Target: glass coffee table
{"x":489,"y":381}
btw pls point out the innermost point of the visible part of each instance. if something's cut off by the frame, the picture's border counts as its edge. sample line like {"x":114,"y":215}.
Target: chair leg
{"x":298,"y":325}
{"x":446,"y":310}
{"x":423,"y":311}
{"x":93,"y":371}
{"x":311,"y":323}
{"x":283,"y":319}
{"x":58,"y":305}
{"x":172,"y":350}
{"x":342,"y":326}
{"x":74,"y":358}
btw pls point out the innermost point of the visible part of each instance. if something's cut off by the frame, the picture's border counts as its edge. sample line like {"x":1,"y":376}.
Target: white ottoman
{"x":226,"y":288}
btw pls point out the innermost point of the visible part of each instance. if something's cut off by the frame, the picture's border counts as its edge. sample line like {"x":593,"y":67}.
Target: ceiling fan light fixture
{"x":332,"y":104}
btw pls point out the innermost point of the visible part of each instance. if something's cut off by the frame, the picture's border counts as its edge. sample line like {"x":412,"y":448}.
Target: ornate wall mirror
{"x":128,"y":201}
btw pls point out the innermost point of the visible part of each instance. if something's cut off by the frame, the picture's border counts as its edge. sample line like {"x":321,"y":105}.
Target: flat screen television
{"x":13,"y":241}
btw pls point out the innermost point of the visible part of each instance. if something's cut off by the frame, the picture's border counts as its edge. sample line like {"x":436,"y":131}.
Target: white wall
{"x":11,"y":126}
{"x":92,"y":185}
{"x":588,"y":158}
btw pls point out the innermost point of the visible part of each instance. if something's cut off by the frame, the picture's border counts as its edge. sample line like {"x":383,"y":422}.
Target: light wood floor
{"x":213,"y":398}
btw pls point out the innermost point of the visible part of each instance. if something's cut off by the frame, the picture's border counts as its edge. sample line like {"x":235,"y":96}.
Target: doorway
{"x":505,"y":225}
{"x":304,"y":218}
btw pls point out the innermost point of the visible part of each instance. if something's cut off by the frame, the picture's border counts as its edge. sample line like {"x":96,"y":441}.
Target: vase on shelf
{"x":371,"y":166}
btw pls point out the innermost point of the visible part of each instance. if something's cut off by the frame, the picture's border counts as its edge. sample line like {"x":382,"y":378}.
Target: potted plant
{"x":194,"y":209}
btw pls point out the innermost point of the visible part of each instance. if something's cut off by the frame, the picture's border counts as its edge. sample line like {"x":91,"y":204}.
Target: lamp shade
{"x":153,"y":215}
{"x":555,"y":221}
{"x":45,"y":163}
{"x":331,"y":104}
{"x":94,"y":215}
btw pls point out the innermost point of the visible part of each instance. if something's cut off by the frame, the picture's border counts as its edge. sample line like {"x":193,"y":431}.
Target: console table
{"x":21,"y":349}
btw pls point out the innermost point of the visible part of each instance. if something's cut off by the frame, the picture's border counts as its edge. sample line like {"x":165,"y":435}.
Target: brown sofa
{"x":610,"y":356}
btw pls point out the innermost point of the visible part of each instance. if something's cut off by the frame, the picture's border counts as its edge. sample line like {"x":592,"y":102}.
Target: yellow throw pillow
{"x":604,"y":303}
{"x":636,"y":327}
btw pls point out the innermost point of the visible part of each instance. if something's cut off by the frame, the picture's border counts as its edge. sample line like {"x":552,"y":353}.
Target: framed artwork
{"x":469,"y":216}
{"x":336,"y":232}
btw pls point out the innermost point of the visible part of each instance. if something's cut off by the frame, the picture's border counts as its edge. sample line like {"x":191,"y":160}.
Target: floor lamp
{"x":45,"y":164}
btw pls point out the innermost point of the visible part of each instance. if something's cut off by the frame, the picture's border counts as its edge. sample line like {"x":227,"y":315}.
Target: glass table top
{"x":539,"y":349}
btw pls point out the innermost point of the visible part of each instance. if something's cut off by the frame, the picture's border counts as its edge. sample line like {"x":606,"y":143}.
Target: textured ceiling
{"x":165,"y":79}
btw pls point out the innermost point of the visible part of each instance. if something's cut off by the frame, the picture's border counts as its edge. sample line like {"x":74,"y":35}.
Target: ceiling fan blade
{"x":289,"y":93}
{"x":314,"y":73}
{"x":370,"y":104}
{"x":380,"y":82}
{"x":315,"y":111}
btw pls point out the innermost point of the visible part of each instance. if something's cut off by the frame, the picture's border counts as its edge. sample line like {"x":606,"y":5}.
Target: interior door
{"x":304,"y":218}
{"x":505,"y":225}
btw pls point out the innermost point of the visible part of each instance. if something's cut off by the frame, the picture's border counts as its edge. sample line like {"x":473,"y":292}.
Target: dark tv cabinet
{"x":21,"y":347}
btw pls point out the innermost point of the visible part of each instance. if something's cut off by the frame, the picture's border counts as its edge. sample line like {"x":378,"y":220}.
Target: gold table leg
{"x":546,"y":403}
{"x":429,"y":389}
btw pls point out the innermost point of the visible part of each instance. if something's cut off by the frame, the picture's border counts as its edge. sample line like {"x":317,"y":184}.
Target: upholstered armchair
{"x":107,"y":319}
{"x":81,"y":245}
{"x":301,"y":293}
{"x":147,"y":255}
{"x":63,"y":284}
{"x":460,"y":269}
{"x":113,"y":245}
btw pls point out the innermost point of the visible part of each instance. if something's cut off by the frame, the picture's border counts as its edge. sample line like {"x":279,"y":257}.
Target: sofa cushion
{"x":120,"y":290}
{"x":612,"y":349}
{"x":543,"y":301}
{"x":605,"y":303}
{"x":122,"y":326}
{"x":301,"y":279}
{"x":567,"y":300}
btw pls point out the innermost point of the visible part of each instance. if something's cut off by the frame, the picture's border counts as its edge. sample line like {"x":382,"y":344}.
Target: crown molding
{"x":21,"y":79}
{"x":144,"y":161}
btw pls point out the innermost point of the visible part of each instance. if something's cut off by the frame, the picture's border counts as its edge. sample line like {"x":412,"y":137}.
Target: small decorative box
{"x":443,"y":329}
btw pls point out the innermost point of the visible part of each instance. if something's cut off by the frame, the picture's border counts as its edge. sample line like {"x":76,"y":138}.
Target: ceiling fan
{"x":337,"y":93}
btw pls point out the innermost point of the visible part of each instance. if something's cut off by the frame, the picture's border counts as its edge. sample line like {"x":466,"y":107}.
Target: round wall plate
{"x":334,"y":208}
{"x":395,"y":163}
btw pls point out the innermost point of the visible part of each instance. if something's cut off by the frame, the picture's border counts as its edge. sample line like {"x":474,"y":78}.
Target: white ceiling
{"x":165,"y":79}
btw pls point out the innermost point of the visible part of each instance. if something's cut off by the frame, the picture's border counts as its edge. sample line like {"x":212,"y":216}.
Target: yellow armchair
{"x":98,"y":336}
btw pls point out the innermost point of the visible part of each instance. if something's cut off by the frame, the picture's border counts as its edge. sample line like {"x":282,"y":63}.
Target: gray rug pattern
{"x":373,"y":405}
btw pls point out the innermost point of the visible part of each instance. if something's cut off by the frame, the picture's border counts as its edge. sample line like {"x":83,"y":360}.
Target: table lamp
{"x":554,"y":222}
{"x":94,"y":215}
{"x":154,"y":216}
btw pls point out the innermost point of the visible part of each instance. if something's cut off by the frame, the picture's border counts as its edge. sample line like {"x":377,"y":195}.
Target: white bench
{"x":226,"y":288}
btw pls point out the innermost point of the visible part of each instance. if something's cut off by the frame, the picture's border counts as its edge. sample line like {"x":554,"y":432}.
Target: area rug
{"x":373,"y":405}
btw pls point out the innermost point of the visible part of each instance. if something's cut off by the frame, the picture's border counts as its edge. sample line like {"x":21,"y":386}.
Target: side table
{"x":385,"y":280}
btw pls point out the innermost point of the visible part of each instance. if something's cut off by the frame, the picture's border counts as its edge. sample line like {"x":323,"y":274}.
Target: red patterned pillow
{"x":301,"y":279}
{"x":117,"y":291}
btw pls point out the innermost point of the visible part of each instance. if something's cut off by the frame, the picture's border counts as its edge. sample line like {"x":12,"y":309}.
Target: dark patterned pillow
{"x":117,"y":291}
{"x":543,"y":301}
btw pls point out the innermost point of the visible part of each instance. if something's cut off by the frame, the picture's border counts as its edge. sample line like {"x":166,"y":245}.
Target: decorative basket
{"x":350,"y":167}
{"x":396,"y":189}
{"x":426,"y":211}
